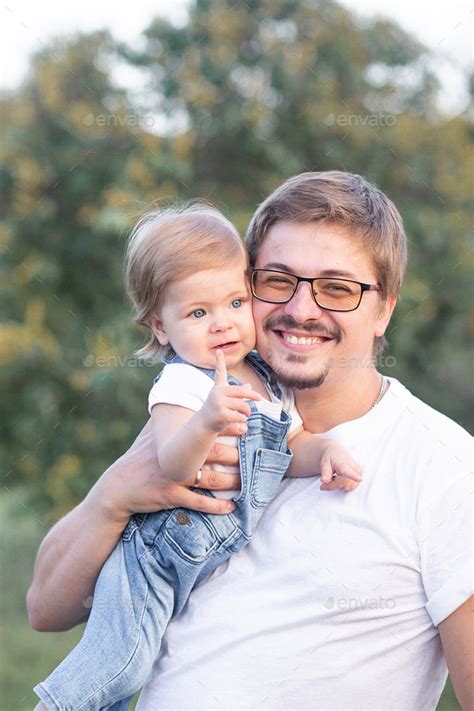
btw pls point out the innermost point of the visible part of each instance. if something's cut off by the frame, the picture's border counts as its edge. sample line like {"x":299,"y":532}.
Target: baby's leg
{"x":131,"y":608}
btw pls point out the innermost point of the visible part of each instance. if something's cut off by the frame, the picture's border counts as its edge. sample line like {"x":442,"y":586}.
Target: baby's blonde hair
{"x":171,"y":244}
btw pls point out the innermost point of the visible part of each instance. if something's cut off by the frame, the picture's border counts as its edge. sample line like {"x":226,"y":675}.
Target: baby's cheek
{"x":252,"y":331}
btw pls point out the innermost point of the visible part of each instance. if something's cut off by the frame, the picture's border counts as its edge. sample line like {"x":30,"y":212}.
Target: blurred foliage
{"x":235,"y":101}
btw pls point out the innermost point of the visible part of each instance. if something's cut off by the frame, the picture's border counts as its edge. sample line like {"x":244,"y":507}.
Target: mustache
{"x":279,"y":323}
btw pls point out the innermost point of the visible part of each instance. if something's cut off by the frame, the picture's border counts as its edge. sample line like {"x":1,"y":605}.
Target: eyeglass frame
{"x":363,"y":288}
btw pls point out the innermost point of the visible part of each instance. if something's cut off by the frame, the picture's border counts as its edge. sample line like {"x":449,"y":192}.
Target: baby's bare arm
{"x":314,"y":455}
{"x":184,"y":438}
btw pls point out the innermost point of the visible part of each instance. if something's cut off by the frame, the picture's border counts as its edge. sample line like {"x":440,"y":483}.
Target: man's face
{"x":303,"y":343}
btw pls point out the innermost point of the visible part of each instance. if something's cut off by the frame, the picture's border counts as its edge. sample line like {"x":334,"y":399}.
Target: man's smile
{"x":295,"y":336}
{"x":299,"y":340}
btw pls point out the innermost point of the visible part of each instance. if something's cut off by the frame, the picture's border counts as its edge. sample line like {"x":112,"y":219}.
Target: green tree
{"x":70,"y":191}
{"x":237,"y":99}
{"x":265,"y":89}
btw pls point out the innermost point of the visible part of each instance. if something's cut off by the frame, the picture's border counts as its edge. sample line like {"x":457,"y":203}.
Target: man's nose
{"x":302,"y":306}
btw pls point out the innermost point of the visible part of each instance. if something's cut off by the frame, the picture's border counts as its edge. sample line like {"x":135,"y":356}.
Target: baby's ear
{"x":158,"y":329}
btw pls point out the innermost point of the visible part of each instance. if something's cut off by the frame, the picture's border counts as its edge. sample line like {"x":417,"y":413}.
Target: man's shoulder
{"x":431,"y":429}
{"x":428,"y":416}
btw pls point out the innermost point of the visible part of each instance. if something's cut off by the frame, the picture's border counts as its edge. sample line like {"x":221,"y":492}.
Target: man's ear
{"x":157,"y":327}
{"x":385,"y":314}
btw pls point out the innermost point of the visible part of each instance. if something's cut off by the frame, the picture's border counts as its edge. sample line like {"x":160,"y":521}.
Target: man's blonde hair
{"x":171,"y":244}
{"x":347,"y":200}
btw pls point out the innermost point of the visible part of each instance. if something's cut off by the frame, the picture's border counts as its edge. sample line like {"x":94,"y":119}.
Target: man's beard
{"x":292,"y":381}
{"x":303,"y":383}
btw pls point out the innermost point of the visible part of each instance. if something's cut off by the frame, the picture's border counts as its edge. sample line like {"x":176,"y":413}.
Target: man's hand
{"x":134,"y":484}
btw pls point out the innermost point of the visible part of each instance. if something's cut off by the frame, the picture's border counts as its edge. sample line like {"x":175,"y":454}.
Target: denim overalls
{"x":148,"y":577}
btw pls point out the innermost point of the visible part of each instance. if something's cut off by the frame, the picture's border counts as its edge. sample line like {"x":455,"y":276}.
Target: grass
{"x":26,"y":656}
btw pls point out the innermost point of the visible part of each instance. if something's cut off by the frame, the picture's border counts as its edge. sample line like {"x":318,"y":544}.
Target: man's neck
{"x":338,"y":399}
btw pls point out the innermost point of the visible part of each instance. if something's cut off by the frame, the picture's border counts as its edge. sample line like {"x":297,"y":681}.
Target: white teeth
{"x":302,"y":341}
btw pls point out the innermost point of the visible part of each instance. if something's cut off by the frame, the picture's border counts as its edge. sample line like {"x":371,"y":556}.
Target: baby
{"x":187,"y":275}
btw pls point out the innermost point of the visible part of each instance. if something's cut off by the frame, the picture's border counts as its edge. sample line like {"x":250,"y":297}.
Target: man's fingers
{"x":223,"y":453}
{"x":221,"y":369}
{"x":219,"y":481}
{"x":216,"y":480}
{"x":206,"y":504}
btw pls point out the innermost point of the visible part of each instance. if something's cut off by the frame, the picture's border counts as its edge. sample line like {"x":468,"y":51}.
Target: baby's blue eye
{"x":198,"y":313}
{"x":237,"y":303}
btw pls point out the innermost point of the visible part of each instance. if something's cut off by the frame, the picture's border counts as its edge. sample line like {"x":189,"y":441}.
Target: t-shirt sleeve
{"x":445,"y":534}
{"x":181,"y":384}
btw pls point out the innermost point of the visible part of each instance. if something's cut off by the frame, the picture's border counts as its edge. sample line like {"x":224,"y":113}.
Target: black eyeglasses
{"x":330,"y":293}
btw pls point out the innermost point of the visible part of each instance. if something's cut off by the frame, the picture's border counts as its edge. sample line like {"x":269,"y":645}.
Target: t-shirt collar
{"x":374,"y":422}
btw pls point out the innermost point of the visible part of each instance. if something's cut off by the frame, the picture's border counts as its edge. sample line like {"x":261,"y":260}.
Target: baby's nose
{"x":221,"y":323}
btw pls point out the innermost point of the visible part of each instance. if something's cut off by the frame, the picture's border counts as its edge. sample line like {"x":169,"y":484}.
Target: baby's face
{"x":208,"y":310}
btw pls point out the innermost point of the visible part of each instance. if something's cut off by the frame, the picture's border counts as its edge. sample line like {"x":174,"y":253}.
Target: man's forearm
{"x":457,"y":637}
{"x":72,"y":554}
{"x":67,"y":566}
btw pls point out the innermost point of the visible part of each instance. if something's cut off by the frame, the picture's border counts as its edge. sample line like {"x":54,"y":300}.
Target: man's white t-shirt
{"x":334,"y":603}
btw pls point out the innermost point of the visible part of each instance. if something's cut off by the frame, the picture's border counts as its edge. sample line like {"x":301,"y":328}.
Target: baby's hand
{"x":225,"y":404}
{"x":338,"y":469}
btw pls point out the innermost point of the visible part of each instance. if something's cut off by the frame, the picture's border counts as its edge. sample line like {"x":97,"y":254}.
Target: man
{"x":340,"y":601}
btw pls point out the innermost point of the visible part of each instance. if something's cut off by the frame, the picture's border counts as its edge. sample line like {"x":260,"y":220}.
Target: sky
{"x":27,"y":25}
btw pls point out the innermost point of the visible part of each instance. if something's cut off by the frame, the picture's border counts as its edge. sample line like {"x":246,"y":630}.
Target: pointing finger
{"x":221,"y":370}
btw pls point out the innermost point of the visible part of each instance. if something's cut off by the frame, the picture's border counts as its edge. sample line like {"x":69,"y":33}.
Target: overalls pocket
{"x":268,"y":471}
{"x":195,"y":536}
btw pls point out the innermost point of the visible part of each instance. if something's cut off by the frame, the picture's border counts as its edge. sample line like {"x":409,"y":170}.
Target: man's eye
{"x":337,"y":288}
{"x":237,"y":303}
{"x":198,"y":313}
{"x":278,"y":281}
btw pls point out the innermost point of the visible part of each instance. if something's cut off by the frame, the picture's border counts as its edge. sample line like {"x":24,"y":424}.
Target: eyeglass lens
{"x":278,"y":288}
